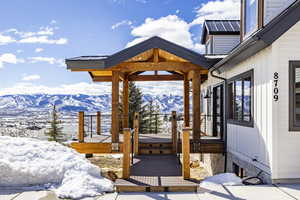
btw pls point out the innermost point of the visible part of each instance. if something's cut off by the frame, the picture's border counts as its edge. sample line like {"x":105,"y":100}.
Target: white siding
{"x":270,"y":142}
{"x":223,"y":44}
{"x":287,"y":144}
{"x":274,"y":8}
{"x":255,"y":143}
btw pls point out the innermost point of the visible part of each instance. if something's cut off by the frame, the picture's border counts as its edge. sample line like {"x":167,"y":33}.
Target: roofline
{"x":263,"y":37}
{"x":123,"y":55}
{"x":205,"y":29}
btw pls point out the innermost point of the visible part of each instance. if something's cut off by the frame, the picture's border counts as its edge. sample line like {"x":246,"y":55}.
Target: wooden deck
{"x":158,"y":173}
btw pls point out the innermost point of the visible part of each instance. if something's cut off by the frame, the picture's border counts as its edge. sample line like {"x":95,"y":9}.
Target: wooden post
{"x":115,"y":107}
{"x":126,"y":153}
{"x":186,"y":96}
{"x":125,"y":102}
{"x":174,"y":132}
{"x":136,"y":133}
{"x":186,"y":153}
{"x":81,"y":126}
{"x":196,"y":104}
{"x":98,"y":124}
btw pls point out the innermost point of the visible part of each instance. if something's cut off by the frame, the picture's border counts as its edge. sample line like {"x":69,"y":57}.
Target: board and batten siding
{"x":255,"y":143}
{"x":272,"y":8}
{"x":286,"y":148}
{"x":223,"y":44}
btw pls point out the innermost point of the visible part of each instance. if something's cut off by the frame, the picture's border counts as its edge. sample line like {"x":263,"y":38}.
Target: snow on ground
{"x":31,"y":163}
{"x":228,"y":179}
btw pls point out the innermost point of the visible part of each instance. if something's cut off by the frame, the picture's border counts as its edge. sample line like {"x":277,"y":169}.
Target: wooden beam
{"x":186,"y":153}
{"x":102,"y":78}
{"x":186,"y":100}
{"x":160,"y":66}
{"x":115,"y":107}
{"x":95,"y":147}
{"x":125,"y":101}
{"x":196,"y":82}
{"x":81,"y":126}
{"x":126,"y":153}
{"x":172,"y":77}
{"x":155,"y":55}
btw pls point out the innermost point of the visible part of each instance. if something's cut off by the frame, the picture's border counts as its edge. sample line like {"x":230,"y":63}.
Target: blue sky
{"x":37,"y":35}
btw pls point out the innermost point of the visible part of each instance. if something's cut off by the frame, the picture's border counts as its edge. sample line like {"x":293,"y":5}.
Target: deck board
{"x":158,"y":172}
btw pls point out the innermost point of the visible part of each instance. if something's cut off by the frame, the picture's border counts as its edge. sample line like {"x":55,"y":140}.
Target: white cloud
{"x":4,"y":39}
{"x":177,"y":11}
{"x":9,"y":58}
{"x":31,"y":77}
{"x":20,"y":51}
{"x":122,"y":23}
{"x":171,"y":28}
{"x":37,"y":50}
{"x":219,"y":9}
{"x":43,"y":40}
{"x":50,"y":60}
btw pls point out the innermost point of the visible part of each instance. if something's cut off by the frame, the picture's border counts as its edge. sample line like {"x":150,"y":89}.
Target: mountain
{"x":71,"y":104}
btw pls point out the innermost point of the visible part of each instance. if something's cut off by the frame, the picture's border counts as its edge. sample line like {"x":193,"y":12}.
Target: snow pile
{"x":228,"y":179}
{"x":28,"y":162}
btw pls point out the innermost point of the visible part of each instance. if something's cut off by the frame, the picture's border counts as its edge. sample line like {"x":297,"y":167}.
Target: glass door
{"x":218,"y":111}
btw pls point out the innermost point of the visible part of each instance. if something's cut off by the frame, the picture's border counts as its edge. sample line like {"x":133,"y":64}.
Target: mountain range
{"x":71,"y":104}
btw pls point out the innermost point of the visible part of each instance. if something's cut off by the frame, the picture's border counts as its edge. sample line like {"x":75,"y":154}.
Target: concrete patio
{"x":270,"y":192}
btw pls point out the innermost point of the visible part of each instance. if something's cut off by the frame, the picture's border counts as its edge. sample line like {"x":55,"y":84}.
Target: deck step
{"x":160,"y":145}
{"x":182,"y":188}
{"x":156,"y":151}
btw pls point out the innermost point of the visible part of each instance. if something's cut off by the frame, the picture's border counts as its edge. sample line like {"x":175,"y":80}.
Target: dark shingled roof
{"x":220,"y":27}
{"x":102,"y":62}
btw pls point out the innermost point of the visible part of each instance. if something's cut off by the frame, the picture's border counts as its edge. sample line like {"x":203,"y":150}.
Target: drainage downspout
{"x":225,"y":114}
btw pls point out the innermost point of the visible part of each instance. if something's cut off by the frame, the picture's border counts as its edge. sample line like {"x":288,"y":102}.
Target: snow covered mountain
{"x":40,"y":103}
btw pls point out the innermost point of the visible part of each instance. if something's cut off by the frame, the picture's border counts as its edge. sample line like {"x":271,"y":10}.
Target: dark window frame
{"x":231,"y":107}
{"x":292,"y":69}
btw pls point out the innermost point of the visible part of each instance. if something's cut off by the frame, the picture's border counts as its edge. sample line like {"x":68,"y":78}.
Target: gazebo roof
{"x":138,"y":53}
{"x":154,"y":54}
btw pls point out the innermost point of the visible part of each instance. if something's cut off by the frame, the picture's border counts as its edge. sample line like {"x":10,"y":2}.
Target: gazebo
{"x":156,"y":55}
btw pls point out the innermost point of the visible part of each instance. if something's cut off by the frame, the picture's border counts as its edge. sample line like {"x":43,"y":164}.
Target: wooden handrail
{"x":186,"y":153}
{"x":126,"y":153}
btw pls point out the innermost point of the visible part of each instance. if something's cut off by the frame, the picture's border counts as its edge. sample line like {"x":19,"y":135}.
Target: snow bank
{"x":28,"y":162}
{"x":221,"y":179}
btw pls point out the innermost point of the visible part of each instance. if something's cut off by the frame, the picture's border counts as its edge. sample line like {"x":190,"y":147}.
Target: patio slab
{"x":291,"y":189}
{"x":158,"y":196}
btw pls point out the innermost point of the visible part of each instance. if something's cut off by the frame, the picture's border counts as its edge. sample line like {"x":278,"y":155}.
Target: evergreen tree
{"x":152,"y":118}
{"x":55,"y":133}
{"x":135,"y":105}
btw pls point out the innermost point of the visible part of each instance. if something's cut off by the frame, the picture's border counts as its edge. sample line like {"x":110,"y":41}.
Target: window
{"x":240,"y":99}
{"x":294,"y":104}
{"x":250,"y":16}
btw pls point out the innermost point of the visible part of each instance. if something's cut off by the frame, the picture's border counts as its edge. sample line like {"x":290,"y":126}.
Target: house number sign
{"x":276,"y":90}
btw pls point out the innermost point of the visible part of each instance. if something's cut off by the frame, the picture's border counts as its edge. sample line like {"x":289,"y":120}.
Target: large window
{"x":294,"y":96}
{"x":250,"y":16}
{"x":240,"y":99}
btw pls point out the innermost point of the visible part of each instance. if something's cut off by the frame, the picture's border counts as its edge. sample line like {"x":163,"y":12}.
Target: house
{"x":253,"y":92}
